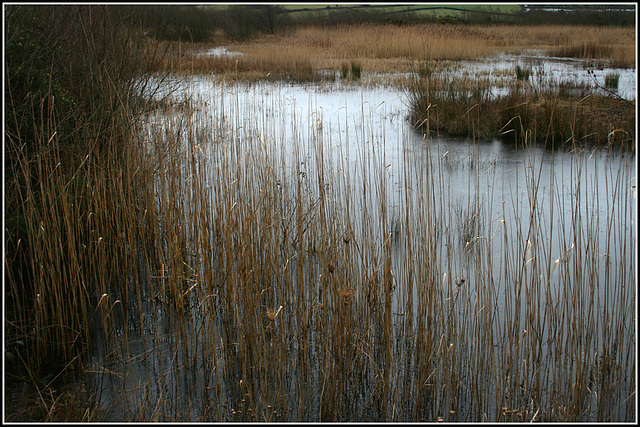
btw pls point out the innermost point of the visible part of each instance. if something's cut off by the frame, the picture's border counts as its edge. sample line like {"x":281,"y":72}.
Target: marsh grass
{"x":562,"y":112}
{"x":276,"y":293}
{"x":611,"y":80}
{"x":72,"y":201}
{"x":290,"y":289}
{"x":213,"y":272}
{"x":393,"y":48}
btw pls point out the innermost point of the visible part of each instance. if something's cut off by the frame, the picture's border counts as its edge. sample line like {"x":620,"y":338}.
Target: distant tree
{"x":174,"y":22}
{"x":241,"y":22}
{"x":271,"y":18}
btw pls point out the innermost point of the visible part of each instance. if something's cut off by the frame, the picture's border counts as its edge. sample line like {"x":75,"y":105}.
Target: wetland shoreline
{"x":272,"y":239}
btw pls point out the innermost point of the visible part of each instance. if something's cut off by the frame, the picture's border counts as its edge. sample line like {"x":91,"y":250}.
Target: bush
{"x":242,"y":22}
{"x":71,"y":70}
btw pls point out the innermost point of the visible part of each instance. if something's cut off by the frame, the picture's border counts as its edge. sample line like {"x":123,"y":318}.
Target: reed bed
{"x":281,"y":284}
{"x":392,"y":48}
{"x":219,"y":260}
{"x":561,"y":113}
{"x":79,"y":230}
{"x":258,"y":276}
{"x":287,"y":66}
{"x":454,"y":42}
{"x":72,"y":204}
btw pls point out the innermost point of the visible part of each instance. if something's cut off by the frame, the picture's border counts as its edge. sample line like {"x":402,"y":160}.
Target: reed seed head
{"x":346,"y":294}
{"x":272,"y":314}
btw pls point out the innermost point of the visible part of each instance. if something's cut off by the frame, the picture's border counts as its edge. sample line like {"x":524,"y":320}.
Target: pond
{"x":360,"y":271}
{"x":547,"y":71}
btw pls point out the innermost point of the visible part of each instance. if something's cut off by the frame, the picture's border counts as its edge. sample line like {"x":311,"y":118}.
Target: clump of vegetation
{"x":611,"y":80}
{"x":353,"y":70}
{"x":447,"y":104}
{"x":344,"y":70}
{"x":522,"y":73}
{"x":356,"y":70}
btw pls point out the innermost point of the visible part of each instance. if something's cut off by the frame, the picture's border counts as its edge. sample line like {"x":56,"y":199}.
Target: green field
{"x":423,"y":9}
{"x":447,"y":13}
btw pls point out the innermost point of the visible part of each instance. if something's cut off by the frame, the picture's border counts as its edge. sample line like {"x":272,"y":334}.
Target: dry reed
{"x":175,"y":284}
{"x":368,"y":329}
{"x":391,"y":48}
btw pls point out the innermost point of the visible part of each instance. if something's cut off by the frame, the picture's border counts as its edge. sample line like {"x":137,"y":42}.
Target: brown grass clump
{"x":458,"y":106}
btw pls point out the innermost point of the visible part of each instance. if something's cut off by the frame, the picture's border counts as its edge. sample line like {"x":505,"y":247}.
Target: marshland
{"x":265,"y":214}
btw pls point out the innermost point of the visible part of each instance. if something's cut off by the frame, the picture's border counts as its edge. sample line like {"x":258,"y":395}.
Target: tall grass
{"x":216,"y":264}
{"x":451,"y":42}
{"x":288,"y":286}
{"x":394,"y":48}
{"x":73,"y":203}
{"x":555,"y":112}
